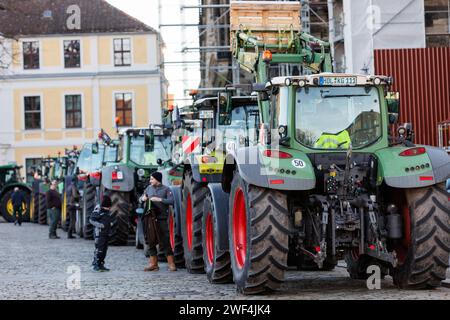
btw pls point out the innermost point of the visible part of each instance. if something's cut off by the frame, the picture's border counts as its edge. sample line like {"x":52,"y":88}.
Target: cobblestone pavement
{"x":34,"y":267}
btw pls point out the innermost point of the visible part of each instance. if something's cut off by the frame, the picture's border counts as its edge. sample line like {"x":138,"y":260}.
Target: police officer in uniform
{"x":101,"y":219}
{"x":156,"y":225}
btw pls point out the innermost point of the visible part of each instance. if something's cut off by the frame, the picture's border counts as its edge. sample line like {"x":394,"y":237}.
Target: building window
{"x":31,"y":55}
{"x":32,"y":113}
{"x":124,"y":109}
{"x":73,"y":111}
{"x":122,"y":52}
{"x":437,"y":23}
{"x":72,"y":55}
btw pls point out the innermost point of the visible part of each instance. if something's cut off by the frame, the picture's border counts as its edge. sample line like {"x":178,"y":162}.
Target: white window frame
{"x":41,"y":96}
{"x":131,"y":52}
{"x":133,"y":106}
{"x":81,"y":53}
{"x":63,"y":110}
{"x":22,"y":62}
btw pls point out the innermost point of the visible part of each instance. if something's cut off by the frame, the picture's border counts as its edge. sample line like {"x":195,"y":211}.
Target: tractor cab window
{"x":337,"y":117}
{"x":57,"y":169}
{"x":244,"y":122}
{"x":110,"y":154}
{"x":142,"y":147}
{"x":163,"y":147}
{"x":8,"y":176}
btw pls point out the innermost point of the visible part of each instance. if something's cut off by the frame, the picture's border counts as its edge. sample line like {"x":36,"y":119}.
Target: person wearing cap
{"x":101,"y":219}
{"x":156,"y":225}
{"x":74,"y":203}
{"x":18,"y":201}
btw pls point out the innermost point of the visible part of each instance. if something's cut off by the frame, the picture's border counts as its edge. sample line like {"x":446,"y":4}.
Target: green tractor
{"x":326,"y":180}
{"x":10,"y":179}
{"x":68,"y":170}
{"x":141,"y":151}
{"x":92,"y":158}
{"x":42,"y":185}
{"x":228,"y":121}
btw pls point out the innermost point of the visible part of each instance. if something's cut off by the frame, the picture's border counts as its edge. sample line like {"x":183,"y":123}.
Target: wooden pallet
{"x":259,"y":16}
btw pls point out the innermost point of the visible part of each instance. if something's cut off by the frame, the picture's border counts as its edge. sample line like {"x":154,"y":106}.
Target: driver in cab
{"x":338,"y":140}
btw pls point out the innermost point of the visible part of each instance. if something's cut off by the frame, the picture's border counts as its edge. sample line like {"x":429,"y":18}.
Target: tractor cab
{"x":9,"y":174}
{"x":331,"y":112}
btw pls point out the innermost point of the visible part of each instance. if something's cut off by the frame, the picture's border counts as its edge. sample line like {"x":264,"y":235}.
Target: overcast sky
{"x":147,"y":12}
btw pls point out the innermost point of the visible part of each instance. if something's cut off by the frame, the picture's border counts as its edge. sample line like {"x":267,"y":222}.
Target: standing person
{"x":74,"y":204}
{"x":17,"y":199}
{"x":53,"y":209}
{"x":156,"y":225}
{"x":101,"y":219}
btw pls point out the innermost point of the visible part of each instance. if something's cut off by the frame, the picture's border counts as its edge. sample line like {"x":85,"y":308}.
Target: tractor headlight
{"x":141,"y":172}
{"x":377,"y":81}
{"x":302,"y":83}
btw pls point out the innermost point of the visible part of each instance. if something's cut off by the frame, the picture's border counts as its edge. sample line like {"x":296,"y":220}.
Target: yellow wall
{"x":140,"y":50}
{"x":86,"y":47}
{"x":104,"y":50}
{"x":51,"y":52}
{"x":107,"y":106}
{"x":52,"y":106}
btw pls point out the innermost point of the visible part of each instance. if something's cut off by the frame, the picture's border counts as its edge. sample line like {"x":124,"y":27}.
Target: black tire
{"x":176,"y":240}
{"x":7,"y":209}
{"x":42,"y":209}
{"x":427,"y":256}
{"x":217,"y":262}
{"x":35,"y":208}
{"x":262,"y":265}
{"x":89,"y":202}
{"x":120,"y":211}
{"x":139,"y":236}
{"x":79,"y":222}
{"x":194,"y":194}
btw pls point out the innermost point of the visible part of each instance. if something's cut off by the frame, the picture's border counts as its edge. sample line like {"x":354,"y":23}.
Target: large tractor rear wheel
{"x":65,"y":219}
{"x":194,"y":194}
{"x":217,"y":261}
{"x":259,"y":237}
{"x":34,"y":208}
{"x":120,"y":211}
{"x":7,"y":209}
{"x":89,"y":202}
{"x":42,"y":209}
{"x":424,"y":254}
{"x":176,"y":240}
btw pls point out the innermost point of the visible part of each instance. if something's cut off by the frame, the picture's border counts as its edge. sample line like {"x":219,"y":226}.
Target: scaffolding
{"x":216,"y":65}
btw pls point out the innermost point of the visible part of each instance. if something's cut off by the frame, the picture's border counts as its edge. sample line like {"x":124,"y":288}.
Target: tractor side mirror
{"x":159,"y":162}
{"x":95,"y":148}
{"x":393,"y":105}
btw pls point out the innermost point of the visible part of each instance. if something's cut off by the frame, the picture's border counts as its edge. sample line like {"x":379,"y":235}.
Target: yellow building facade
{"x":60,"y":90}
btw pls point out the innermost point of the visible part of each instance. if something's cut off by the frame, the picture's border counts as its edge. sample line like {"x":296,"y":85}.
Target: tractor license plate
{"x":337,"y":81}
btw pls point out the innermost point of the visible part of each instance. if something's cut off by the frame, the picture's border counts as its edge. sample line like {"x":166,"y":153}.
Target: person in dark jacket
{"x":155,"y":221}
{"x":18,"y":200}
{"x":74,"y":205}
{"x":53,"y":209}
{"x":101,"y":219}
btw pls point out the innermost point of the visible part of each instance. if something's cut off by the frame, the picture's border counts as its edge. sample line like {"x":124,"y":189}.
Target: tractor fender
{"x":195,"y":168}
{"x":126,"y":185}
{"x":220,"y":203}
{"x":176,"y":192}
{"x":440,"y":162}
{"x":251,"y":169}
{"x":393,"y":168}
{"x":12,"y":186}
